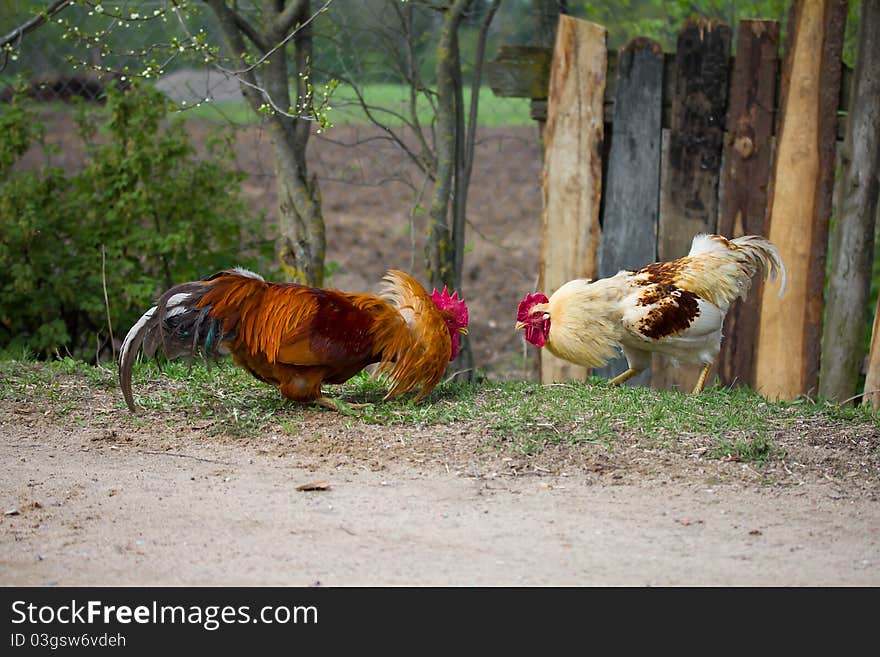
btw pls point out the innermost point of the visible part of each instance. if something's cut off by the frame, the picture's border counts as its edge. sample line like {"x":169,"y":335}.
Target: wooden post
{"x":871,"y":393}
{"x":745,"y":181}
{"x":629,"y":224}
{"x":689,"y":195}
{"x":853,"y":241}
{"x":852,"y":250}
{"x":571,"y":183}
{"x":787,"y":363}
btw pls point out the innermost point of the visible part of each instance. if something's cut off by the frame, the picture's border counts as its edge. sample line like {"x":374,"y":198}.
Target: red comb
{"x":522,"y":312}
{"x":445,"y":301}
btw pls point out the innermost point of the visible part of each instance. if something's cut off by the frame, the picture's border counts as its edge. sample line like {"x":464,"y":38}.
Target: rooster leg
{"x":622,"y":378}
{"x":702,"y":380}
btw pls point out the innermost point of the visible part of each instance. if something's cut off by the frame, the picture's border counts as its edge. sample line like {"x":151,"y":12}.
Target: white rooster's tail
{"x":764,"y":256}
{"x":723,"y":269}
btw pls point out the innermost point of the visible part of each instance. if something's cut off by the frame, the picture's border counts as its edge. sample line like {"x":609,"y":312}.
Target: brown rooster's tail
{"x":178,"y":327}
{"x":415,"y":346}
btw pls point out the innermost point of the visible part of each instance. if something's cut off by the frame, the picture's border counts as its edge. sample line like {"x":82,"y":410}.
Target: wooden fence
{"x":642,"y":150}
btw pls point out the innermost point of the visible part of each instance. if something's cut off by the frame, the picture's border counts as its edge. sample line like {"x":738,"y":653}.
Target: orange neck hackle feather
{"x":418,"y":352}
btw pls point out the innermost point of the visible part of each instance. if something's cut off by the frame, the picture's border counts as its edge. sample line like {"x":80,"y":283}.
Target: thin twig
{"x":106,"y":300}
{"x":183,"y":456}
{"x":864,"y":393}
{"x":456,"y":373}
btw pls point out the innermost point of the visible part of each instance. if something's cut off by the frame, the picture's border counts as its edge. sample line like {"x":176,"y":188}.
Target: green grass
{"x":393,"y":99}
{"x":524,"y":416}
{"x":755,"y":450}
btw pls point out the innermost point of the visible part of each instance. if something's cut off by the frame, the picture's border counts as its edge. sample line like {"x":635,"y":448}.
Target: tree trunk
{"x":464,"y":160}
{"x":853,"y":237}
{"x":440,"y":248}
{"x":302,"y":239}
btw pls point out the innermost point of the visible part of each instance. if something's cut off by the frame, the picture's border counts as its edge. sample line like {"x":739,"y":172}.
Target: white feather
{"x":177,"y":310}
{"x":248,"y":272}
{"x":178,"y":299}
{"x":133,"y":331}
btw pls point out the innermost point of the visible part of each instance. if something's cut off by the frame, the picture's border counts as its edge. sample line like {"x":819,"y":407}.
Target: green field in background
{"x":388,"y":103}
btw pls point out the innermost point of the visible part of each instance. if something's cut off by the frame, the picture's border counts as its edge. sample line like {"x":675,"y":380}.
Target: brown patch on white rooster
{"x":674,"y":311}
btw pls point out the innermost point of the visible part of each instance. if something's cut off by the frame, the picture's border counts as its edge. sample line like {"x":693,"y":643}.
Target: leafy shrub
{"x":142,"y":214}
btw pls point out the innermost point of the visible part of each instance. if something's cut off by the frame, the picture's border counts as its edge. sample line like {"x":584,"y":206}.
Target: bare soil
{"x":94,"y":497}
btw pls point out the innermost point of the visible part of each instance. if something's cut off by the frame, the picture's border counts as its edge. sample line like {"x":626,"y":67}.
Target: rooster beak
{"x":463,"y":330}
{"x":519,"y":325}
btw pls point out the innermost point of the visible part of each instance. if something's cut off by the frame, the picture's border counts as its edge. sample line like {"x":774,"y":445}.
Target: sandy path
{"x":92,"y":514}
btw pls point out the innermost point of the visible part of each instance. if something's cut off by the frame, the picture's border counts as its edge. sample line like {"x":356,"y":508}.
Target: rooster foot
{"x":339,"y":405}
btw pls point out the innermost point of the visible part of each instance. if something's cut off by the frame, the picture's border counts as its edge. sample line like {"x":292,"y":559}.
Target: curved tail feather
{"x":177,"y":327}
{"x":720,"y":270}
{"x":765,"y":256}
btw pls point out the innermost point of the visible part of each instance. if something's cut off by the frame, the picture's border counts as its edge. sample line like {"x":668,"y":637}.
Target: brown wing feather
{"x":671,"y":310}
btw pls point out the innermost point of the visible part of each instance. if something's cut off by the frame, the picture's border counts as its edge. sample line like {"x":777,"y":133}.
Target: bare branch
{"x":234,"y":37}
{"x":35,"y":22}
{"x":230,"y":22}
{"x":370,"y":112}
{"x":475,"y":91}
{"x":406,"y":18}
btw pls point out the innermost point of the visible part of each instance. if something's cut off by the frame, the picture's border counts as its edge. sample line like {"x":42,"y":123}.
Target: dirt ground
{"x":92,"y":498}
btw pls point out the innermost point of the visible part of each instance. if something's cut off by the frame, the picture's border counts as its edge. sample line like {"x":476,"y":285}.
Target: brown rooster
{"x":675,"y":308}
{"x":297,"y":337}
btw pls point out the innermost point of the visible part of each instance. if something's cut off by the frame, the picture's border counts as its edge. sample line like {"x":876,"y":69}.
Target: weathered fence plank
{"x":571,"y":182}
{"x":787,"y":362}
{"x":745,"y":179}
{"x":852,"y":250}
{"x":629,"y":223}
{"x":689,"y":195}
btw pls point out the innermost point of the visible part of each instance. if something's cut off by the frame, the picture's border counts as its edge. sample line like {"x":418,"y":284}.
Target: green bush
{"x":142,"y":214}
